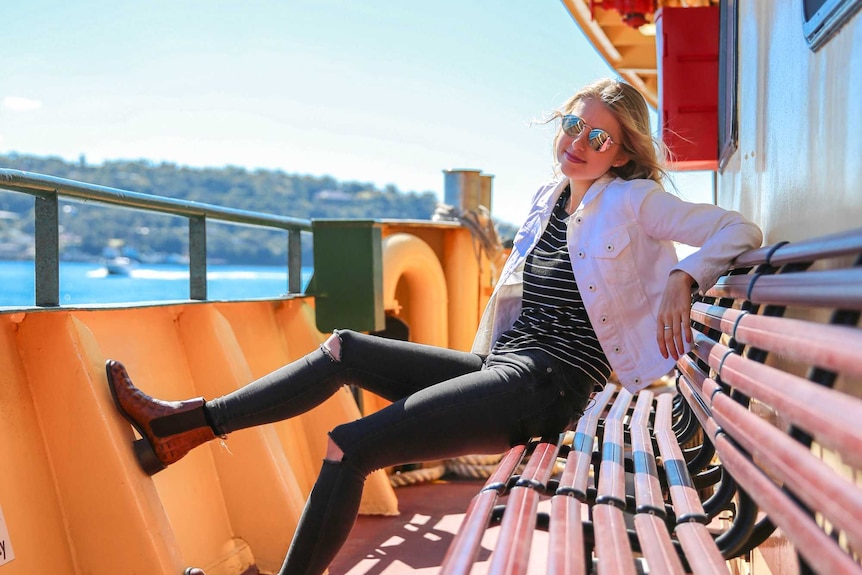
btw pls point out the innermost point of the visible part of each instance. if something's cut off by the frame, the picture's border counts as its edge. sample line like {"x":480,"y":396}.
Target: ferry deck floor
{"x":416,"y":540}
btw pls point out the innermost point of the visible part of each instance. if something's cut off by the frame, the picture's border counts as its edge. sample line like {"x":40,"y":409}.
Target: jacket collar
{"x":593,"y":192}
{"x":597,"y":188}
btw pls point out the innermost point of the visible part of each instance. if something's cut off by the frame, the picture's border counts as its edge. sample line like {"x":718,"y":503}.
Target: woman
{"x":592,"y":286}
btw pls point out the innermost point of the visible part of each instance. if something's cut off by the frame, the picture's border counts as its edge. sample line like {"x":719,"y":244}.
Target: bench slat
{"x":794,"y":465}
{"x":566,"y":537}
{"x":693,"y":393}
{"x":612,"y":480}
{"x":838,"y":289}
{"x":755,"y":257}
{"x":656,"y":545}
{"x":686,"y":502}
{"x":828,"y":246}
{"x":541,"y":464}
{"x":613,"y":549}
{"x":511,"y":460}
{"x":716,"y":317}
{"x":512,"y":552}
{"x":576,"y":473}
{"x":465,"y":546}
{"x":831,"y":347}
{"x":701,"y":553}
{"x":803,"y":251}
{"x":648,"y":494}
{"x":830,"y":416}
{"x":734,"y":287}
{"x":821,"y":552}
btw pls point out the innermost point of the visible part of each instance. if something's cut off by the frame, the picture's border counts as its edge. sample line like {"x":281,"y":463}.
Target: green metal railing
{"x":48,"y":190}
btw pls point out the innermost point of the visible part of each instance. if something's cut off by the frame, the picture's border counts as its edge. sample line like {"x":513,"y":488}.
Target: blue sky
{"x":378,"y":91}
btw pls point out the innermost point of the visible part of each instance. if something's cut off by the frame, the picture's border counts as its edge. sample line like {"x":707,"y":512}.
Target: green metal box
{"x":348,"y":275}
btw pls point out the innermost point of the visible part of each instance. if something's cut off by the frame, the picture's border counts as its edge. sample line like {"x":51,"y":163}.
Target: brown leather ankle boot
{"x":169,"y":429}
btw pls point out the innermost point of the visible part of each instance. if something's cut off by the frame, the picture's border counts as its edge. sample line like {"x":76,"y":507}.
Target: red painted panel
{"x":687,"y":44}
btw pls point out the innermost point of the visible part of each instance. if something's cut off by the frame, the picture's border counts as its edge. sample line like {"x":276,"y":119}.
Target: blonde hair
{"x":646,"y":154}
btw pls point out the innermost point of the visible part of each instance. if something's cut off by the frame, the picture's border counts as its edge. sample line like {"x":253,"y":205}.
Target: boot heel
{"x":146,"y":457}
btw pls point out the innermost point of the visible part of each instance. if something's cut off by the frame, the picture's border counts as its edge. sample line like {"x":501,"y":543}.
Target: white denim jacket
{"x":621,"y":244}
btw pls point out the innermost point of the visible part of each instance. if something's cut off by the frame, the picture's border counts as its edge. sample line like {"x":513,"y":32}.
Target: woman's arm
{"x":720,"y":234}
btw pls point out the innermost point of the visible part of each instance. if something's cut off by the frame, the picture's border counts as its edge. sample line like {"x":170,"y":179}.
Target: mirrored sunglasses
{"x":599,"y":140}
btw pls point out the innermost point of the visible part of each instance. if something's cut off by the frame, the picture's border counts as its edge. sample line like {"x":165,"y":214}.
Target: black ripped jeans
{"x":445,"y":404}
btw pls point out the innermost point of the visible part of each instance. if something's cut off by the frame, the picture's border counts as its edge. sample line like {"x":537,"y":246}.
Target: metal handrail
{"x":48,"y":190}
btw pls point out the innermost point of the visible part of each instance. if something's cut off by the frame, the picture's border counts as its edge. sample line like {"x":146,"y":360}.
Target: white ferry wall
{"x":797,"y":170}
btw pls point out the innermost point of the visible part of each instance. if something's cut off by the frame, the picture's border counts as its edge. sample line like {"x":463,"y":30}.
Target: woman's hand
{"x":674,"y":314}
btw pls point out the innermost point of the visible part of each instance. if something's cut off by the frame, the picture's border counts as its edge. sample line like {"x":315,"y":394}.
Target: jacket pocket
{"x":612,"y":255}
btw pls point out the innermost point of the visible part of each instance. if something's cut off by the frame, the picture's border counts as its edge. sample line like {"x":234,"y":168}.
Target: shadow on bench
{"x":763,"y":431}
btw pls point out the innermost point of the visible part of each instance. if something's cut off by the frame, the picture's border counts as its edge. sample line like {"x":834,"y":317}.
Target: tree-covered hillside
{"x":87,"y":228}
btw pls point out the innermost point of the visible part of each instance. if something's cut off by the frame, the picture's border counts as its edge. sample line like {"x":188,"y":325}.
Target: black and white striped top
{"x":553,"y":318}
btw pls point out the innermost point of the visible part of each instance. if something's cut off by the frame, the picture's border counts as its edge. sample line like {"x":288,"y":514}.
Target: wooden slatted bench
{"x":761,"y":436}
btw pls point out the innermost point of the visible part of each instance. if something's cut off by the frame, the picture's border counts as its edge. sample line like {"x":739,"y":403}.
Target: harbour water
{"x":88,"y":283}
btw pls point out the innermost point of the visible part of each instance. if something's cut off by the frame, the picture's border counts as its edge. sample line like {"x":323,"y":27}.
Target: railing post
{"x":294,"y":261}
{"x":47,"y":250}
{"x":198,"y":257}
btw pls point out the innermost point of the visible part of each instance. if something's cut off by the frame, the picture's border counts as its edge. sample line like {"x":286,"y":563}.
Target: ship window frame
{"x":727,"y":80}
{"x":821,"y":19}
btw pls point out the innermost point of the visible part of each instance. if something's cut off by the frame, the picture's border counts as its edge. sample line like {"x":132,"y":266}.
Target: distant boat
{"x":120,"y":266}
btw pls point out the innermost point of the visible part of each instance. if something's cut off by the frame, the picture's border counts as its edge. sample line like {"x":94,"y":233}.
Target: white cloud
{"x":20,"y":104}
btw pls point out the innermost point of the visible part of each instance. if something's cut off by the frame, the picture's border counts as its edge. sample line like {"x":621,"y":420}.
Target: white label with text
{"x":6,"y":554}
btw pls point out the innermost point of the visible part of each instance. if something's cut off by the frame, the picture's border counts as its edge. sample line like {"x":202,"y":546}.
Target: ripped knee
{"x":332,"y":347}
{"x":333,"y":452}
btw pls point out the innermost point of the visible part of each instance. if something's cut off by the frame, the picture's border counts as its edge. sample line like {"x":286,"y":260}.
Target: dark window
{"x":727,"y":85}
{"x":822,"y":18}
